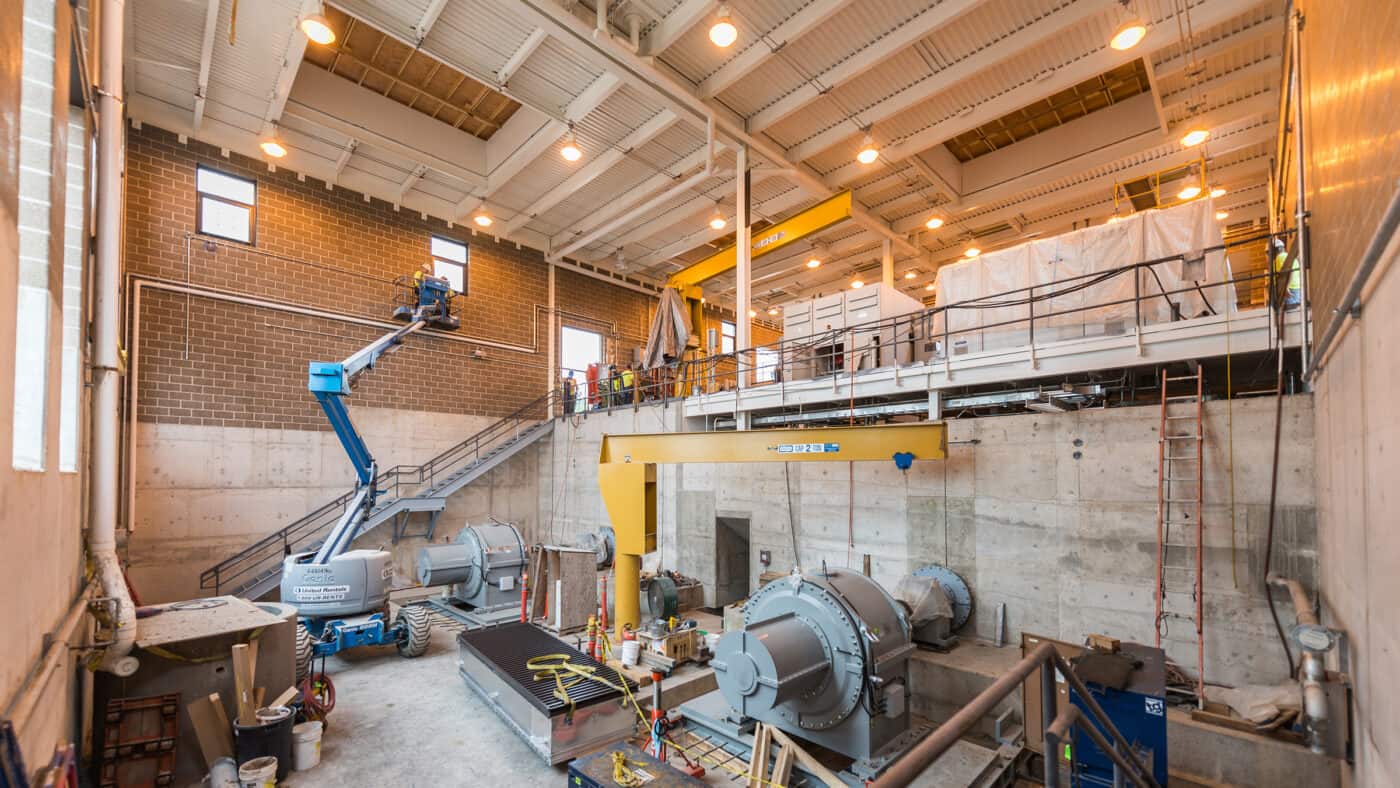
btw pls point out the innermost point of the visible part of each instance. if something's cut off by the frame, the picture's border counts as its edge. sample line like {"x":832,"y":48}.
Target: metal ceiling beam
{"x":1158,"y":36}
{"x":1269,"y":68}
{"x":669,"y":30}
{"x":344,"y":159}
{"x":642,"y":73}
{"x":673,"y":216}
{"x":291,"y":64}
{"x":628,"y":214}
{"x":784,"y":202}
{"x":206,"y":57}
{"x":1270,"y":28}
{"x":768,"y":44}
{"x":520,"y":156}
{"x":428,"y":19}
{"x":598,"y":166}
{"x":411,"y":181}
{"x":521,"y":54}
{"x":877,"y":52}
{"x":649,"y":186}
{"x":1031,"y":36}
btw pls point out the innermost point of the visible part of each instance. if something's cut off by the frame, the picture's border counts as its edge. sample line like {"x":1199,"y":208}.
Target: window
{"x":227,"y":206}
{"x":33,"y":304}
{"x":726,"y":337}
{"x":70,"y":375}
{"x":450,"y":262}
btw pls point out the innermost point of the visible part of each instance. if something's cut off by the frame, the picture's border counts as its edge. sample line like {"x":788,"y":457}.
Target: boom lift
{"x":341,"y":595}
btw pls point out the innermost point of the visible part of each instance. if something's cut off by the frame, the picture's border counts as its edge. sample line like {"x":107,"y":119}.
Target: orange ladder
{"x":1180,"y":532}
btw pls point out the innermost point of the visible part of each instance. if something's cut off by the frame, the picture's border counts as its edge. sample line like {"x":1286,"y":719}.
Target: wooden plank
{"x":758,"y":758}
{"x":538,"y":568}
{"x":812,"y":765}
{"x":211,"y":728}
{"x":243,"y":683}
{"x":782,"y":769}
{"x":286,"y":697}
{"x":578,"y":576}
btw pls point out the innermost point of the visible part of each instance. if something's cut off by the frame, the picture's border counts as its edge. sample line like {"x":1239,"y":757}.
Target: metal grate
{"x":506,"y":649}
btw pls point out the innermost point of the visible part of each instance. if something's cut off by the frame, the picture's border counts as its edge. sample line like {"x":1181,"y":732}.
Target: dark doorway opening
{"x":731,"y":559}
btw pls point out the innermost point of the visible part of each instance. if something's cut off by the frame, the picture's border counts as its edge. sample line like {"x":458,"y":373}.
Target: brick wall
{"x":213,"y":362}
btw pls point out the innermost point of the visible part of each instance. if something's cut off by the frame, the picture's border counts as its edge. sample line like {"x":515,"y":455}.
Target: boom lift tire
{"x":417,"y":631}
{"x":304,"y":652}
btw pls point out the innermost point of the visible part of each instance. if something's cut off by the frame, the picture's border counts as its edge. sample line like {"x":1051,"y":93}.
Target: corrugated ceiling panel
{"x":552,"y":77}
{"x":695,"y":57}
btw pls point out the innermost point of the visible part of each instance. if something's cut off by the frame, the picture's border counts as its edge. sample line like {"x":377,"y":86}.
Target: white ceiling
{"x":800,"y":85}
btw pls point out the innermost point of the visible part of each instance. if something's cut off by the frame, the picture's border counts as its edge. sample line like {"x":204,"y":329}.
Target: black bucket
{"x":270,"y":735}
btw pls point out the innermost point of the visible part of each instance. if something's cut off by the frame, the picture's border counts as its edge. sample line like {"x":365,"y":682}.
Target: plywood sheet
{"x":200,"y":618}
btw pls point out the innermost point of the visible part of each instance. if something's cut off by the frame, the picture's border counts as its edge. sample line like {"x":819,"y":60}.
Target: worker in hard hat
{"x":1289,"y":271}
{"x":629,"y":380}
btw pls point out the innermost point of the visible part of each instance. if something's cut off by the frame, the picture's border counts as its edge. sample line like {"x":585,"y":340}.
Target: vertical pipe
{"x":743,"y":273}
{"x":627,"y":573}
{"x":1301,"y":216}
{"x":106,"y":364}
{"x":1049,"y":703}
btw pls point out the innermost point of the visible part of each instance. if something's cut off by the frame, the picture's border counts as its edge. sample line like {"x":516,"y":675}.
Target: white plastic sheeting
{"x":1072,"y":306}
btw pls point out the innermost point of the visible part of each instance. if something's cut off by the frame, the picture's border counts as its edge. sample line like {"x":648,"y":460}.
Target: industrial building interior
{"x":682,"y":392}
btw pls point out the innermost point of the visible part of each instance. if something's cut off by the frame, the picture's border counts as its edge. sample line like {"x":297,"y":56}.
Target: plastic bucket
{"x":712,"y":640}
{"x":223,"y":774}
{"x":631,"y":652}
{"x":270,"y":735}
{"x":258,"y":773}
{"x":306,"y":745}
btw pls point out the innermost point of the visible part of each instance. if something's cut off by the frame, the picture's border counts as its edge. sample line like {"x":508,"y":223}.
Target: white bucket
{"x":631,"y":652}
{"x":711,"y":640}
{"x":258,"y":773}
{"x":224,"y":774}
{"x":306,"y":745}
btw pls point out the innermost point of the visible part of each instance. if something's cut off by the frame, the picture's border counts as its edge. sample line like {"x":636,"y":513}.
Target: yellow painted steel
{"x":627,"y":476}
{"x":813,"y":220}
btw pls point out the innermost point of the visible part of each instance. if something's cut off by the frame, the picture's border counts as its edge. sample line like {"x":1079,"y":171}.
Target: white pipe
{"x":22,"y":707}
{"x":106,"y":363}
{"x":602,"y":26}
{"x":1311,"y":671}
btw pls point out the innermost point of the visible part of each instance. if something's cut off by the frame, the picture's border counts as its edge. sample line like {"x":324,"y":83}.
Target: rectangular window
{"x":450,"y":262}
{"x":726,"y":337}
{"x":74,"y":229}
{"x":33,"y":303}
{"x":227,"y":205}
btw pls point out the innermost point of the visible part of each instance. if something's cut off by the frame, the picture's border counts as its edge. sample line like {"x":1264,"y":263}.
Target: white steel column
{"x":887,"y":263}
{"x":743,"y":271}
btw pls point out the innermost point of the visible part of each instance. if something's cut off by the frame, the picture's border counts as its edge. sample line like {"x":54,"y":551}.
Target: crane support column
{"x":627,"y":476}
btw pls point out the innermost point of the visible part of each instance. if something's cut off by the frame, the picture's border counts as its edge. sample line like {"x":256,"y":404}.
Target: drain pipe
{"x":107,"y":364}
{"x":1315,"y":641}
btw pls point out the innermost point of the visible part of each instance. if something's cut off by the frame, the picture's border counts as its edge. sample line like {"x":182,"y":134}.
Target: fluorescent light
{"x":723,"y":33}
{"x":868,"y":152}
{"x":273,"y":147}
{"x":856,"y":284}
{"x":1218,"y":191}
{"x":1220,"y":215}
{"x":933,"y":223}
{"x":1194,"y":137}
{"x":317,"y":29}
{"x":972,"y":251}
{"x":1129,"y":35}
{"x":813,"y":262}
{"x":1189,"y":193}
{"x":482,"y":220}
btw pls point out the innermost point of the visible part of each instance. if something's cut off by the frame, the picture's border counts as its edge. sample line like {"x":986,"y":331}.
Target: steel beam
{"x":521,"y":54}
{"x":669,"y":30}
{"x":769,"y":43}
{"x":206,"y":57}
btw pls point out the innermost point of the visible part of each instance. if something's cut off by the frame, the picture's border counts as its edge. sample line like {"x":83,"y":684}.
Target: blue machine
{"x":428,"y":298}
{"x":1138,"y":709}
{"x":341,"y":595}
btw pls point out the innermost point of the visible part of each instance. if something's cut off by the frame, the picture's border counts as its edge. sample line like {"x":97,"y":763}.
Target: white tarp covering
{"x":670,"y":329}
{"x":1071,"y":308}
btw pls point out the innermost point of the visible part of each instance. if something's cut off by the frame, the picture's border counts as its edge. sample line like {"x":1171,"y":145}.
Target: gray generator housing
{"x":356,"y":581}
{"x":483,"y":565}
{"x":824,"y":657}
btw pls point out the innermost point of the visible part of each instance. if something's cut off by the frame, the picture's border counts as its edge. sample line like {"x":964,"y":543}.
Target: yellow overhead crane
{"x":627,"y":476}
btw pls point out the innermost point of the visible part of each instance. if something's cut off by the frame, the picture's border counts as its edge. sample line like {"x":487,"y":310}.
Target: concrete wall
{"x":203,"y":493}
{"x":1053,"y":515}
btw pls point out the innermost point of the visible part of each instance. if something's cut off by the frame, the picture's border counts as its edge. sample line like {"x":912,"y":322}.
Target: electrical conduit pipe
{"x":1311,"y":672}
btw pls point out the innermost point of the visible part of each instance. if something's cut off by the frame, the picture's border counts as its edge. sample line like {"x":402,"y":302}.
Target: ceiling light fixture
{"x":934,"y":223}
{"x":1217,"y":191}
{"x":972,"y":251}
{"x":717,"y":222}
{"x":772,"y":310}
{"x":482,"y":220}
{"x":857,"y":284}
{"x":1220,"y":215}
{"x":317,"y":29}
{"x":1128,"y":35}
{"x":1194,"y":137}
{"x":273,"y":146}
{"x":571,"y":151}
{"x":909,"y":274}
{"x":929,"y":287}
{"x":868,"y":152}
{"x":813,"y":262}
{"x":723,"y":33}
{"x":1189,"y":193}
{"x":752,"y":314}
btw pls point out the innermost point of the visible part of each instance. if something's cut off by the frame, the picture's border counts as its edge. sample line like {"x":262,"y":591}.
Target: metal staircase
{"x":404,"y":490}
{"x":1180,"y":532}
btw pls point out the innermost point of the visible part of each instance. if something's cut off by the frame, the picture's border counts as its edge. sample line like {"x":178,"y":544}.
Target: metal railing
{"x":399,"y":481}
{"x":1056,"y":724}
{"x":928,"y":336}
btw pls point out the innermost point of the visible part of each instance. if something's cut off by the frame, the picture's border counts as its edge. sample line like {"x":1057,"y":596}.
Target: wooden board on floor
{"x":571,"y":575}
{"x":211,"y":728}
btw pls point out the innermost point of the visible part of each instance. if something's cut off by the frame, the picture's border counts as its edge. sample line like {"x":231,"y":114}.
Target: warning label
{"x":321,"y":593}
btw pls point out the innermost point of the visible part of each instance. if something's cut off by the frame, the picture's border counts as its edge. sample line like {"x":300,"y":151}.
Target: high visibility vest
{"x":627,"y":378}
{"x":1295,"y":274}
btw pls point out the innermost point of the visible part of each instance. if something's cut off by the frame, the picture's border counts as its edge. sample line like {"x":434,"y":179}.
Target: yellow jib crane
{"x":627,"y":476}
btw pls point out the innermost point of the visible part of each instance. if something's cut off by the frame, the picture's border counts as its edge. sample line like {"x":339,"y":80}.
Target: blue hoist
{"x":341,"y":595}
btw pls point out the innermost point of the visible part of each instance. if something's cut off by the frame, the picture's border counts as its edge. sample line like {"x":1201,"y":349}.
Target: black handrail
{"x":302,"y":532}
